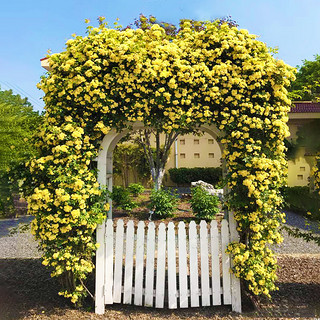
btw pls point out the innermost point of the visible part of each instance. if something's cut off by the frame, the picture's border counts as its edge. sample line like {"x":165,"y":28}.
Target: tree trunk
{"x":158,"y":177}
{"x":157,"y":158}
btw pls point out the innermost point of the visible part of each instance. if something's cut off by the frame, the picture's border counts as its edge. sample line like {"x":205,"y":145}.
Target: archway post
{"x":105,"y":171}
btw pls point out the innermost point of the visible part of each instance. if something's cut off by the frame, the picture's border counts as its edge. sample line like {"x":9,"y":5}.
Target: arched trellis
{"x":105,"y":173}
{"x":216,"y":74}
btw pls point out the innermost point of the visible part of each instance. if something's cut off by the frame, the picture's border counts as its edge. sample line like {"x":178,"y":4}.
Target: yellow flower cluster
{"x":112,"y":78}
{"x":67,"y":201}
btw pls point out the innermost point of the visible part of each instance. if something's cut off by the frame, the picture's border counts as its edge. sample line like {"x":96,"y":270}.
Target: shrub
{"x":301,"y":200}
{"x":204,"y":205}
{"x":136,"y":189}
{"x":163,"y":203}
{"x":122,"y":199}
{"x":184,"y":176}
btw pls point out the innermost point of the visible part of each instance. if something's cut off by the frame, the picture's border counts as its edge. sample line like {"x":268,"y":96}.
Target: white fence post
{"x":225,"y":262}
{"x":161,"y":266}
{"x":100,"y":261}
{"x":100,"y":253}
{"x":138,"y":282}
{"x":193,"y":258}
{"x":148,"y":301}
{"x":204,"y":259}
{"x":172,"y":273}
{"x":117,"y":286}
{"x":235,"y":282}
{"x":108,"y":282}
{"x":183,"y":267}
{"x":128,"y":272}
{"x":215,"y":263}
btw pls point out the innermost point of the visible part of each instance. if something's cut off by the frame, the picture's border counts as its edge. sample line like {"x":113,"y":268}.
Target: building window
{"x":197,"y":155}
{"x":182,"y":141}
{"x":300,"y":176}
{"x":196,"y":141}
{"x":182,"y":155}
{"x":210,"y":141}
{"x":302,"y":168}
{"x":211,"y":155}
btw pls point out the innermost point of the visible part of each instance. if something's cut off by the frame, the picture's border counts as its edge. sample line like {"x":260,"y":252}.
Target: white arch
{"x":105,"y":170}
{"x":110,"y":140}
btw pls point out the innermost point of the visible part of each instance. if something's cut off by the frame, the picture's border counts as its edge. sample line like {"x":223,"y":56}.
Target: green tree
{"x":18,"y":122}
{"x":130,"y":158}
{"x":307,"y":84}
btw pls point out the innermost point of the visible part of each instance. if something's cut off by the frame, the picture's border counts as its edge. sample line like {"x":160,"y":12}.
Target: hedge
{"x":300,"y":200}
{"x":184,"y":176}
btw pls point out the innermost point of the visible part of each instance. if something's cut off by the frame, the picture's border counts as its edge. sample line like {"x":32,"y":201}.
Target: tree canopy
{"x":18,"y":123}
{"x":306,"y":87}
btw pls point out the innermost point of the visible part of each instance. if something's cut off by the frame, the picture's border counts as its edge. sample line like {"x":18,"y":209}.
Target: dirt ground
{"x":27,"y":292}
{"x":142,"y":213}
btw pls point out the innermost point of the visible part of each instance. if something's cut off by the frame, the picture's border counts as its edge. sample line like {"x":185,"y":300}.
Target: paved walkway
{"x":7,"y":224}
{"x":296,"y":220}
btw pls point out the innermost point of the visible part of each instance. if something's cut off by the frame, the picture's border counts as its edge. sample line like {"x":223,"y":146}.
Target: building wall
{"x":299,"y":169}
{"x":298,"y":172}
{"x":195,"y":151}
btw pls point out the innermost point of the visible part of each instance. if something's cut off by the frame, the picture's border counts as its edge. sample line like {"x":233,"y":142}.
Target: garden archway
{"x":207,"y":72}
{"x":110,"y":140}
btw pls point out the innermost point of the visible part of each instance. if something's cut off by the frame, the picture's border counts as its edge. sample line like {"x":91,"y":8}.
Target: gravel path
{"x":22,"y":245}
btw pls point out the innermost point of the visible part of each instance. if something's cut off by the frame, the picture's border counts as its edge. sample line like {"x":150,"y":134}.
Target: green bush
{"x":184,"y":176}
{"x":121,"y":198}
{"x":136,"y":189}
{"x":301,"y":200}
{"x":163,"y":203}
{"x":204,"y":205}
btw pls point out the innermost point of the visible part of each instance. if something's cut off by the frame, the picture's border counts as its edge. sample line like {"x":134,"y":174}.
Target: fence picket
{"x":161,"y":266}
{"x":205,"y":288}
{"x":127,"y":295}
{"x":183,"y":267}
{"x":138,"y":283}
{"x":108,"y":296}
{"x":117,"y":286}
{"x":216,"y":288}
{"x":172,"y":275}
{"x":193,"y":258}
{"x":148,"y":301}
{"x":225,"y":263}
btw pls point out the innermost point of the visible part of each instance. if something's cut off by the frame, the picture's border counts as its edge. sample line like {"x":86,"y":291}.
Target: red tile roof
{"x":305,"y":107}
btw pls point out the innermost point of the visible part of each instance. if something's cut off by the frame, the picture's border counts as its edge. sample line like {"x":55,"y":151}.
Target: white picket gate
{"x":173,"y":267}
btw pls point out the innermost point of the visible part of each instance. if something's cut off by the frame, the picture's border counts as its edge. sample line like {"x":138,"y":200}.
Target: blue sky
{"x":30,"y":28}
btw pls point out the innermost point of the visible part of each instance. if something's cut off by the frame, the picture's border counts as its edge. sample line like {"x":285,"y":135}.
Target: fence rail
{"x":167,"y":266}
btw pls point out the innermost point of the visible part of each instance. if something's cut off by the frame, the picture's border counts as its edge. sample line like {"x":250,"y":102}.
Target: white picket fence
{"x":169,"y":267}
